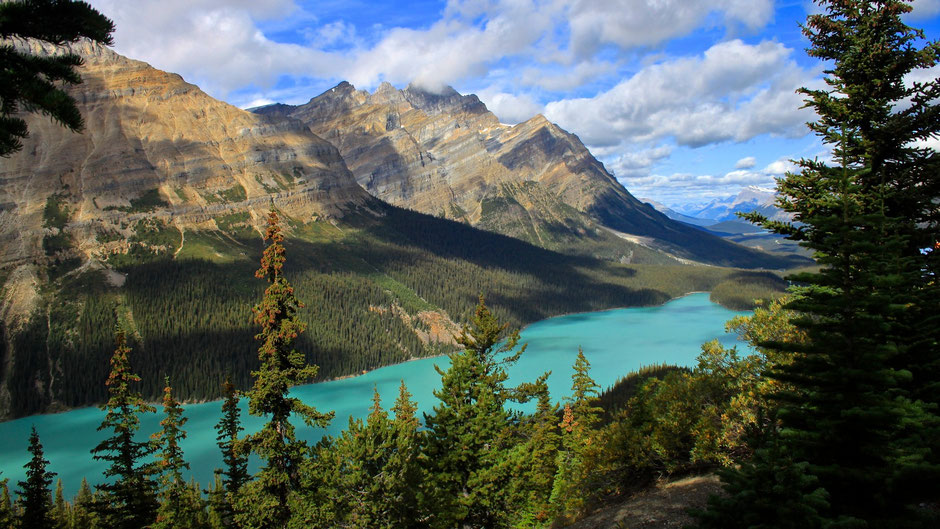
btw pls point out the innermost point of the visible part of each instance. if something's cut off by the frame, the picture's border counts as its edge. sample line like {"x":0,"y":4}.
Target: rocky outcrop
{"x":154,"y":143}
{"x":446,"y":154}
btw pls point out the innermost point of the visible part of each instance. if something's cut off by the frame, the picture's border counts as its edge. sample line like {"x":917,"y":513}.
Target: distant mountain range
{"x":750,"y":198}
{"x":719,"y":217}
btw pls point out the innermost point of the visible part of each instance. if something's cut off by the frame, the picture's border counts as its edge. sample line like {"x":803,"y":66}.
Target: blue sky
{"x":683,"y":100}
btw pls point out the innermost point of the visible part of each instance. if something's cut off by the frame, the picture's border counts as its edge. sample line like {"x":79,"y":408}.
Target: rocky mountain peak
{"x":447,"y":100}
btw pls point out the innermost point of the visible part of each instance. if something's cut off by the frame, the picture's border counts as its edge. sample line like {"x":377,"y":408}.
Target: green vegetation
{"x":851,"y":439}
{"x":147,"y":202}
{"x":233,"y":194}
{"x":477,"y":464}
{"x":55,"y":216}
{"x":349,"y":275}
{"x":56,"y":212}
{"x":743,"y":290}
{"x":238,"y":225}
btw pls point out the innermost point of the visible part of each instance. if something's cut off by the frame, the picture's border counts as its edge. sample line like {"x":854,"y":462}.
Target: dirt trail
{"x":661,"y":507}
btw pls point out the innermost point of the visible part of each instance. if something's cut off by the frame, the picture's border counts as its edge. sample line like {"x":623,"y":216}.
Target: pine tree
{"x":860,"y":414}
{"x":576,"y":458}
{"x":235,"y":474}
{"x":180,"y":506}
{"x":6,"y":506}
{"x":35,"y":496}
{"x":380,"y":473}
{"x":61,"y":513}
{"x":270,"y":502}
{"x":83,"y":516}
{"x":129,"y":501}
{"x":471,"y":432}
{"x":27,"y":81}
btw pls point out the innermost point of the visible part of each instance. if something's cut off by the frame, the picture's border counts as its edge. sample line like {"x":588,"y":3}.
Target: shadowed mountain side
{"x":381,"y":286}
{"x":447,"y":155}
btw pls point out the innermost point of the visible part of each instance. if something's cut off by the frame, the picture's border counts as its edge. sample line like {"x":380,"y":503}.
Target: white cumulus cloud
{"x":733,"y":92}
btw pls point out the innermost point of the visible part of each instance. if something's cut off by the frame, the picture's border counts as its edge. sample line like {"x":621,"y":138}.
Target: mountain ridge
{"x":447,"y":155}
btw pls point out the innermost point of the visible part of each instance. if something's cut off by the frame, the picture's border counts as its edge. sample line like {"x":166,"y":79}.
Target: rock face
{"x":154,"y":143}
{"x":446,"y":154}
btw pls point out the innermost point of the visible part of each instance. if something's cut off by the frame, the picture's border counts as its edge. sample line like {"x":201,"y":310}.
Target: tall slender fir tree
{"x":570,"y":492}
{"x":271,"y":501}
{"x":862,"y":409}
{"x":35,"y":493}
{"x":129,"y":501}
{"x":181,"y":506}
{"x":235,"y":473}
{"x":83,"y":516}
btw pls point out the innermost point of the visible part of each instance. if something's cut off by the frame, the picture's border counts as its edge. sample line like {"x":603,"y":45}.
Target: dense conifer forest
{"x":365,"y":283}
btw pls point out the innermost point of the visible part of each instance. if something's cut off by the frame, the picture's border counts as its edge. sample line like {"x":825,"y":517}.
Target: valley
{"x":150,"y":221}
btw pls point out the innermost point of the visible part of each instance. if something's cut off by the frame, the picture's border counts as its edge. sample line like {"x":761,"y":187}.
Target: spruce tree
{"x":83,"y":516}
{"x":35,"y":495}
{"x":576,"y":457}
{"x":533,"y":464}
{"x":128,"y":501}
{"x":380,"y":473}
{"x":61,"y":513}
{"x":181,"y":506}
{"x":859,"y":412}
{"x":471,"y":432}
{"x":6,"y":505}
{"x":406,"y":466}
{"x":235,"y":474}
{"x":271,"y":500}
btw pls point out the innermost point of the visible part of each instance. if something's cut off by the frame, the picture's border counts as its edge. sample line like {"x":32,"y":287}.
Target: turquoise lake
{"x":615,"y":342}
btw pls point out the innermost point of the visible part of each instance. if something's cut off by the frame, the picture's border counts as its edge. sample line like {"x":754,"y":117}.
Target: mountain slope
{"x":446,"y":154}
{"x":153,"y":138}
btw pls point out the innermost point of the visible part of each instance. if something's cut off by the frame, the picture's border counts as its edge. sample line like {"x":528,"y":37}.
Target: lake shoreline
{"x":158,"y":403}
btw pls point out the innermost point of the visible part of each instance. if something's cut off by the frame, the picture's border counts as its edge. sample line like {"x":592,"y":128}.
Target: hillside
{"x":447,"y":155}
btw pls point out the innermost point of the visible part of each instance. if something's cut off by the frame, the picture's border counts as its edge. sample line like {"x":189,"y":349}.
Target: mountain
{"x":675,"y":215}
{"x":750,"y":198}
{"x":445,"y":154}
{"x":154,"y":143}
{"x":150,"y":221}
